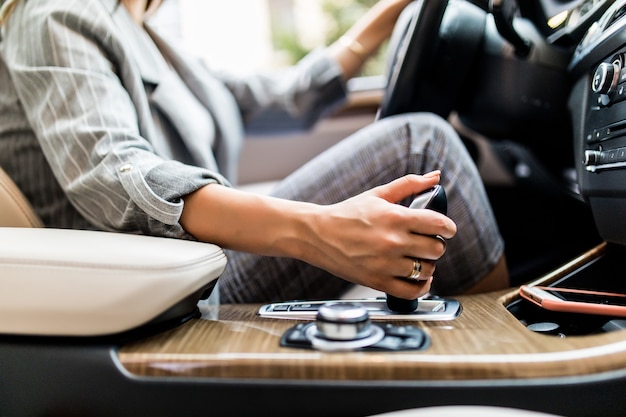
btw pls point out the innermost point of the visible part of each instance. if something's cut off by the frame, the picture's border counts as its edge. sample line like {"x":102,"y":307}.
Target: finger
{"x":430,"y":223}
{"x":406,"y":186}
{"x":435,"y":247}
{"x":427,"y":247}
{"x":409,"y":289}
{"x":443,"y":243}
{"x":419,"y":269}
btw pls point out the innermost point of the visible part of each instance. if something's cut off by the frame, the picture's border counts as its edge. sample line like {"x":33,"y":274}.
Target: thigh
{"x":370,"y":157}
{"x":377,"y":154}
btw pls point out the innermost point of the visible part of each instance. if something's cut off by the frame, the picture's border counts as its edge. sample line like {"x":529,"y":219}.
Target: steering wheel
{"x":412,"y":45}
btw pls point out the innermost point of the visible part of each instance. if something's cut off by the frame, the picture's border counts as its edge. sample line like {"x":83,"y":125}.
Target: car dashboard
{"x":598,"y":107}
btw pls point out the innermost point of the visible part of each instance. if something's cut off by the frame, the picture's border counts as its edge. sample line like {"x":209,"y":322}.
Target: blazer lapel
{"x":157,"y":86}
{"x":194,"y":125}
{"x":144,"y":71}
{"x":217,"y":99}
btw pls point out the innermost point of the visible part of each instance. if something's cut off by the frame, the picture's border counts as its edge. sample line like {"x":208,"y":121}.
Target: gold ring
{"x":417,"y":268}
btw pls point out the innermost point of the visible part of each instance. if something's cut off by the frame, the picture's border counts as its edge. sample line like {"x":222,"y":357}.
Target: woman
{"x":106,"y":125}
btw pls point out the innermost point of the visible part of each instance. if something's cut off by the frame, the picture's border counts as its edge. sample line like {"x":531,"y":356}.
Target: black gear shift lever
{"x":433,"y":199}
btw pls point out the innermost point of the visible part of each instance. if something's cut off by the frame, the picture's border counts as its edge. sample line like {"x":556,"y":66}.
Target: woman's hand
{"x":368,"y":239}
{"x":364,"y":38}
{"x":371,"y":240}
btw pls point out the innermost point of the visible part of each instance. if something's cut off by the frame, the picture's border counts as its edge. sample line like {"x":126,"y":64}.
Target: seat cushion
{"x":88,"y":283}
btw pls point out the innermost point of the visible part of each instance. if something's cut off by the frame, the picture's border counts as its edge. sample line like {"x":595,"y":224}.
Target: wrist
{"x":295,"y":230}
{"x":354,"y":46}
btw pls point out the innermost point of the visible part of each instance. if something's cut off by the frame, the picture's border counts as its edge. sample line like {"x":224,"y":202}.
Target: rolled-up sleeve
{"x":307,"y":89}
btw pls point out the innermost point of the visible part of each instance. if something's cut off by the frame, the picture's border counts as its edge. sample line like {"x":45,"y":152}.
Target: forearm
{"x":367,"y":35}
{"x":246,"y":221}
{"x":367,"y":239}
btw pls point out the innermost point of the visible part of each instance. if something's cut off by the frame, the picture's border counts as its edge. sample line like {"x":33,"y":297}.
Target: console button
{"x":605,"y":78}
{"x":620,"y":93}
{"x":595,"y":160}
{"x":304,"y":307}
{"x":591,"y":157}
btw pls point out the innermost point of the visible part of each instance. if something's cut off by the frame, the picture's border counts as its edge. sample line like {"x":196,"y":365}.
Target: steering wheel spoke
{"x":413,"y":44}
{"x":431,"y":52}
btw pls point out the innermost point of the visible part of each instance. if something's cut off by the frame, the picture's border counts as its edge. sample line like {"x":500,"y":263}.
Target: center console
{"x":597,"y":107}
{"x":498,"y":349}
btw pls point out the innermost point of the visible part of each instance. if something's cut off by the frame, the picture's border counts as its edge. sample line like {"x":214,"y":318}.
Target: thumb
{"x":406,"y":186}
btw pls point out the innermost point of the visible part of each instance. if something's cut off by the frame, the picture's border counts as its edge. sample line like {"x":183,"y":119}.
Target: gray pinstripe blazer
{"x":99,"y":132}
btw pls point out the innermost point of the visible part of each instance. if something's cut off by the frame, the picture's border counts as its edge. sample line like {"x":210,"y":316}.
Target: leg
{"x":385,"y":150}
{"x":496,"y":279}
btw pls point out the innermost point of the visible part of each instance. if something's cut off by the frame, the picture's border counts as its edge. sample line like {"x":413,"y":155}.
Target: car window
{"x":245,"y":35}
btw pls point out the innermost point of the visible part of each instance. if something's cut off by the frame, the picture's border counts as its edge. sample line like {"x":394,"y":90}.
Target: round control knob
{"x":343,"y":320}
{"x":606,"y":77}
{"x":591,"y":157}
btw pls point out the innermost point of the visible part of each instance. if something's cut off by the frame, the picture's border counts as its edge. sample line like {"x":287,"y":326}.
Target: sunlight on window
{"x":309,"y":19}
{"x":234,"y":34}
{"x":252,"y":35}
{"x":237,"y":35}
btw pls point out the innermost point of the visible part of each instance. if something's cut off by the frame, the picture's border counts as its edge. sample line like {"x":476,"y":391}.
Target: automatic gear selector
{"x":433,"y":199}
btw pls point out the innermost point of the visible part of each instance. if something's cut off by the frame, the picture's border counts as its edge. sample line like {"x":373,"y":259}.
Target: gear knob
{"x":433,"y":199}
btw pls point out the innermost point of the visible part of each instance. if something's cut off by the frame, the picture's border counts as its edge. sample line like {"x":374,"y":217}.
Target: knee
{"x":425,"y":126}
{"x":421,"y":119}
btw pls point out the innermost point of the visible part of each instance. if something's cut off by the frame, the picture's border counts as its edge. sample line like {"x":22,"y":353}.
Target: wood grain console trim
{"x":485,"y":342}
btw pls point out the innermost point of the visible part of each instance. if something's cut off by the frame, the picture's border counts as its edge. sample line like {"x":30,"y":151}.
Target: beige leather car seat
{"x":15,"y":210}
{"x":54,"y":283}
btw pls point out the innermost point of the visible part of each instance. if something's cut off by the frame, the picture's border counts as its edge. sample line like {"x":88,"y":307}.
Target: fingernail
{"x":434,"y":173}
